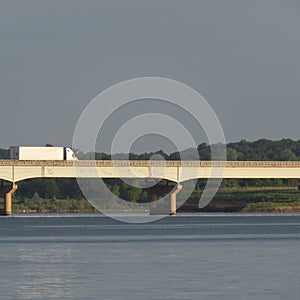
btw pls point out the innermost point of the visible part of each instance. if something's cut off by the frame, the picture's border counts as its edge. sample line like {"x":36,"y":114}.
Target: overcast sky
{"x":56,"y":56}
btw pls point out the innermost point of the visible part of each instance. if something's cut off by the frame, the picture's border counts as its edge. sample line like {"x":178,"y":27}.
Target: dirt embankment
{"x":287,"y":209}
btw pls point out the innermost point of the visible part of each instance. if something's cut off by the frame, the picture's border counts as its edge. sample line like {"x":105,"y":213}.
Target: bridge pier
{"x":164,"y":208}
{"x":8,"y":191}
{"x":173,"y":202}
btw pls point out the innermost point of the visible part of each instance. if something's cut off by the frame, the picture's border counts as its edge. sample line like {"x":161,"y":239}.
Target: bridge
{"x":14,"y":171}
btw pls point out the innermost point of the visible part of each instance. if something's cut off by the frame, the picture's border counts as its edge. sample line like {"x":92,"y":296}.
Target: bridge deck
{"x":147,"y":163}
{"x":177,"y":171}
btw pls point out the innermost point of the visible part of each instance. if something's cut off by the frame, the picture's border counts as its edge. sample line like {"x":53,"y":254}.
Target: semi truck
{"x":41,"y":153}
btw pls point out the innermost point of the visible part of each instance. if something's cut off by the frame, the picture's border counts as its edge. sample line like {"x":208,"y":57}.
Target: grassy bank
{"x":282,"y":199}
{"x":249,"y":200}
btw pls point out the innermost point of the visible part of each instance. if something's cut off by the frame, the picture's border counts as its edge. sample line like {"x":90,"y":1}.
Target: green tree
{"x":232,"y":154}
{"x":287,"y":154}
{"x":51,"y":189}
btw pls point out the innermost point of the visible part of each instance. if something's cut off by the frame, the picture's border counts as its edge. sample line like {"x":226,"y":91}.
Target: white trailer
{"x":41,"y":153}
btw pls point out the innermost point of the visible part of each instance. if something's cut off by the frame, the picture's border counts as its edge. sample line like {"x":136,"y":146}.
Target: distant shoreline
{"x":248,"y":199}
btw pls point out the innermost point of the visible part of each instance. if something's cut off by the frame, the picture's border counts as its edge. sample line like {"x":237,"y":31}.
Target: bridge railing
{"x":147,"y":163}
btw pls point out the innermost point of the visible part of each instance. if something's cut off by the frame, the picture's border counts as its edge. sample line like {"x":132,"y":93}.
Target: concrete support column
{"x":161,"y":208}
{"x":173,"y":199}
{"x":7,"y":204}
{"x":8,"y":192}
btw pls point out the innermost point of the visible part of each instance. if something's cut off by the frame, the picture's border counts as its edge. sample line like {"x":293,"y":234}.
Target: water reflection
{"x":45,"y":270}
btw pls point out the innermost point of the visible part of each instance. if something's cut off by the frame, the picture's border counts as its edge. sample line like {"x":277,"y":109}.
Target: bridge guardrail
{"x":146,"y":163}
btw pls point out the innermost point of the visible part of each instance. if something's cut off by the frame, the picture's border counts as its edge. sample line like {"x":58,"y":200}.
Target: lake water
{"x":196,"y":256}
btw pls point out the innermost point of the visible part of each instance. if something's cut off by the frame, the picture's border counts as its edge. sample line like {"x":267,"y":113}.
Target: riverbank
{"x":250,"y":199}
{"x":253,"y":199}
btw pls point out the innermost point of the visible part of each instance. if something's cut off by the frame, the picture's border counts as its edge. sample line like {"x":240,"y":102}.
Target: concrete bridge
{"x":14,"y":171}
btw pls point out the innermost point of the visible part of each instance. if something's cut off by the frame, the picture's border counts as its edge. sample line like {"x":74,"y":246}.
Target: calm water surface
{"x":197,"y":256}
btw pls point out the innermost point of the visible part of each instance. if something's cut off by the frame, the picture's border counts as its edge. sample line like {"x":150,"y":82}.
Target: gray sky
{"x":56,"y":56}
